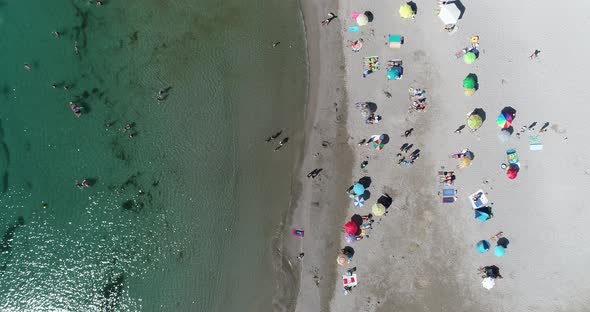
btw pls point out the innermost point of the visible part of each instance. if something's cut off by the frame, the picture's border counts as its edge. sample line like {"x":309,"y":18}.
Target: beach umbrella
{"x":351,"y":228}
{"x":474,"y":122}
{"x":378,"y":145}
{"x":499,"y":251}
{"x":348,"y":252}
{"x":469,"y":92}
{"x":469,"y":82}
{"x":359,"y":201}
{"x":342,"y":259}
{"x":464,"y":162}
{"x":365,"y":112}
{"x":512,"y":172}
{"x":378,"y":209}
{"x":357,"y":219}
{"x":357,"y":45}
{"x":358,"y":189}
{"x":449,"y":13}
{"x":393,"y":73}
{"x":483,"y":214}
{"x":488,"y":283}
{"x":504,"y":120}
{"x":406,"y":11}
{"x":504,"y":135}
{"x":362,"y":20}
{"x":468,"y":154}
{"x":482,"y":246}
{"x":469,"y":58}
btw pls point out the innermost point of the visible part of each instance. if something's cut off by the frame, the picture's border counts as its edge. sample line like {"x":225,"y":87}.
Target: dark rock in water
{"x":128,"y":205}
{"x":112,"y":292}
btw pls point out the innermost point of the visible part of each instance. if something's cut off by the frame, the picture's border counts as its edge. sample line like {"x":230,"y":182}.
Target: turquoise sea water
{"x":182,"y":216}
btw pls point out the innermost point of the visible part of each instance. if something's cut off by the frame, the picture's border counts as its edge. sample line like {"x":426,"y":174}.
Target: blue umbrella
{"x":482,"y":246}
{"x":358,"y":189}
{"x":484,"y":213}
{"x":359,"y":201}
{"x":499,"y":251}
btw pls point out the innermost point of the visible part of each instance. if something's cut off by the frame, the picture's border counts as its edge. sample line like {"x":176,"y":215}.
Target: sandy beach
{"x":420,"y":256}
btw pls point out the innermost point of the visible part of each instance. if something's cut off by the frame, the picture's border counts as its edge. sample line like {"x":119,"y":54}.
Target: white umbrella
{"x":488,"y":283}
{"x":449,"y":13}
{"x":362,"y":20}
{"x":504,"y":135}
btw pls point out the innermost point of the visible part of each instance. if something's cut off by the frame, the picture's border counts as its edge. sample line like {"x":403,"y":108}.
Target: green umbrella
{"x":469,"y":82}
{"x":469,"y":58}
{"x":474,"y":122}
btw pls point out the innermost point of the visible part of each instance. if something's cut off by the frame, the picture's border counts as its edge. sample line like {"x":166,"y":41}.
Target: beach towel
{"x":353,"y":29}
{"x":449,"y":192}
{"x":535,"y":143}
{"x":355,"y":14}
{"x":512,"y":157}
{"x":478,"y":199}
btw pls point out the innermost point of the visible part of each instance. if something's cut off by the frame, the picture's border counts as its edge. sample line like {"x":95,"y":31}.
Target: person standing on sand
{"x":535,"y":54}
{"x":408,"y":132}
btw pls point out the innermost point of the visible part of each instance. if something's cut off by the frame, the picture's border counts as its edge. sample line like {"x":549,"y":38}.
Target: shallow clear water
{"x":181,"y":217}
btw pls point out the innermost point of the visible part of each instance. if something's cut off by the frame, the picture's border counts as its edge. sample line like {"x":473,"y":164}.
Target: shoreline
{"x":316,"y":204}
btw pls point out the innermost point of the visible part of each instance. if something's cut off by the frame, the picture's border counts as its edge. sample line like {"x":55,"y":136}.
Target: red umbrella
{"x":351,"y":228}
{"x":512,"y":172}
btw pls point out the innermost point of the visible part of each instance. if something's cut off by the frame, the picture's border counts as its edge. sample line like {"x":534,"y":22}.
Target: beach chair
{"x":449,"y":192}
{"x":396,"y":41}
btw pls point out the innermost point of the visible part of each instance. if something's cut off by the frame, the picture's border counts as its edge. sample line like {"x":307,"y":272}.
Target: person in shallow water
{"x":83,"y":184}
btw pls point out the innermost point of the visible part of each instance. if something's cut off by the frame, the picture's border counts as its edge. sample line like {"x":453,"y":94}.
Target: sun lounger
{"x":449,"y":192}
{"x":449,"y":199}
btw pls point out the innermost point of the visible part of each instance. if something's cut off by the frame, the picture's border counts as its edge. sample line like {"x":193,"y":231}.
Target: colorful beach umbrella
{"x":406,"y":11}
{"x":469,"y":58}
{"x":358,"y":189}
{"x":474,"y":122}
{"x":378,"y":209}
{"x":357,"y":45}
{"x":482,"y":246}
{"x":351,"y":228}
{"x":342,"y":259}
{"x":359,"y":201}
{"x":378,"y":145}
{"x":504,"y":120}
{"x":512,"y":172}
{"x":499,"y":251}
{"x":362,"y":20}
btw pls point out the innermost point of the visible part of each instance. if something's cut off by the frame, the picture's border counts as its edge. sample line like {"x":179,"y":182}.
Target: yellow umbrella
{"x":405,"y":11}
{"x":378,"y":209}
{"x":469,"y":91}
{"x":464,"y":162}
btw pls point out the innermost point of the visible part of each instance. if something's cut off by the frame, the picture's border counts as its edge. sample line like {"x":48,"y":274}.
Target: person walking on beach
{"x":327,"y":21}
{"x":535,"y":54}
{"x":408,"y":148}
{"x":408,"y":132}
{"x":403,"y":147}
{"x":461,"y":127}
{"x":282,"y":143}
